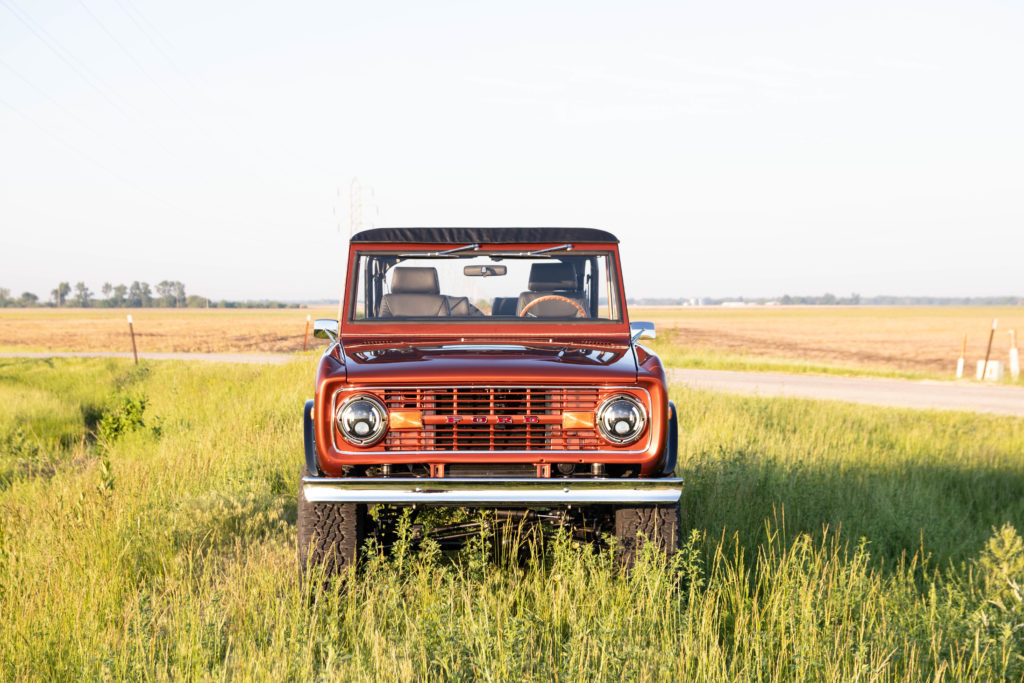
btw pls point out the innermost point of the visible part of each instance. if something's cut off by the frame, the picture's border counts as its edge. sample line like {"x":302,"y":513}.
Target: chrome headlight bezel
{"x":639,"y":420}
{"x":375,"y":433}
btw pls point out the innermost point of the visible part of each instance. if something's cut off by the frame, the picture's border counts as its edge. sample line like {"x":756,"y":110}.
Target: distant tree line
{"x":167,"y":294}
{"x":826,"y":299}
{"x":833,"y":300}
{"x":888,"y":300}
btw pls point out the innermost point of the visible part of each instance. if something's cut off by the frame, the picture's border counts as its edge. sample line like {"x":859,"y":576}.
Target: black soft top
{"x":459,"y":236}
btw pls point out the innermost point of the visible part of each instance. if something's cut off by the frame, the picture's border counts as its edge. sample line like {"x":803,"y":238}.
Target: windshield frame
{"x":484,"y":326}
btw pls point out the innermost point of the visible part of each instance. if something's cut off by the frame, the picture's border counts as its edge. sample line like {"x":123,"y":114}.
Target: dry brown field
{"x":923,"y":340}
{"x":215,"y":330}
{"x":920,"y":339}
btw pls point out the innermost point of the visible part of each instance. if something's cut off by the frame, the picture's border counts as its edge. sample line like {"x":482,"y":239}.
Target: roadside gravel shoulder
{"x":901,"y":393}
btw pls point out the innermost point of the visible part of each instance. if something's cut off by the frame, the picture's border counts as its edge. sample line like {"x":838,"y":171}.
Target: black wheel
{"x":635,"y":526}
{"x":329,"y":534}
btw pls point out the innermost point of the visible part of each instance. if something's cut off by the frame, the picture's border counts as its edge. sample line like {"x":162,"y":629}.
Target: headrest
{"x":546,"y":277}
{"x":415,"y":281}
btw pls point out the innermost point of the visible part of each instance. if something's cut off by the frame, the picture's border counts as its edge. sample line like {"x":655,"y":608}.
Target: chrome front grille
{"x":492,"y":418}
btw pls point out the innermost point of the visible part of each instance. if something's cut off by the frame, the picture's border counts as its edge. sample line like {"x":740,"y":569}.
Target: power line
{"x":106,"y":169}
{"x":145,"y":72}
{"x":54,"y":101}
{"x":79,"y":152}
{"x":53,"y":46}
{"x":124,"y":49}
{"x":66,"y":56}
{"x":200,"y":127}
{"x":98,"y":85}
{"x":149,"y":36}
{"x":59,"y":51}
{"x":107,"y":141}
{"x":150,"y":24}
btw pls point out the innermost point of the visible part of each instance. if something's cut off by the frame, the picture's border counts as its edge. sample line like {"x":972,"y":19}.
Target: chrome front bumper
{"x":492,"y":492}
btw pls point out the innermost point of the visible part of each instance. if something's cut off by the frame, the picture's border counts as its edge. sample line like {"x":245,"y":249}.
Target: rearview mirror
{"x":484,"y":271}
{"x":642,"y":329}
{"x":325,"y":328}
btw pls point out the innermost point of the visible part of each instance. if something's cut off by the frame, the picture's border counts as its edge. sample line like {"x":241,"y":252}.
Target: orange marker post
{"x":305,"y":337}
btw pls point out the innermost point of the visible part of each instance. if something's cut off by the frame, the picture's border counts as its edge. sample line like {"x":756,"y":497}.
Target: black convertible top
{"x":460,"y":236}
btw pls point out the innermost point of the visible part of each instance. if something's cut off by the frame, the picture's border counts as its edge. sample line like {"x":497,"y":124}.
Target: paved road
{"x":900,"y":393}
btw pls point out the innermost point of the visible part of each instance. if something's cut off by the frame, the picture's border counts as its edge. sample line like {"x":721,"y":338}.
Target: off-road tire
{"x":636,"y":526}
{"x":329,"y":534}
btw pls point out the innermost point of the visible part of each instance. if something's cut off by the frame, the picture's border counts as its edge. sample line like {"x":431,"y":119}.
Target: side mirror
{"x":325,"y":328}
{"x":642,"y":329}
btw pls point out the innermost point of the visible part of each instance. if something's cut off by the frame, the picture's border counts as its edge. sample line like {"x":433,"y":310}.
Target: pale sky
{"x":735,"y":148}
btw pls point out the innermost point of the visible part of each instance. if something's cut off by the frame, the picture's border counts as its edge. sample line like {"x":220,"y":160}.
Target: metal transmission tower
{"x":355,"y":219}
{"x":334,"y":210}
{"x":355,"y":207}
{"x":355,"y":224}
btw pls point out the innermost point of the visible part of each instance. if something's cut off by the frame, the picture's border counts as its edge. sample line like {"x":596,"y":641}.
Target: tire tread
{"x":329,"y":534}
{"x":640,"y":525}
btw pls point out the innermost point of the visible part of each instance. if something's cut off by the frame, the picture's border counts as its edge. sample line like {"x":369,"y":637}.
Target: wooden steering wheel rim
{"x":552,"y":297}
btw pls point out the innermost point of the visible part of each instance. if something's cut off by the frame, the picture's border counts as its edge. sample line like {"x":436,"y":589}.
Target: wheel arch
{"x":309,"y":438}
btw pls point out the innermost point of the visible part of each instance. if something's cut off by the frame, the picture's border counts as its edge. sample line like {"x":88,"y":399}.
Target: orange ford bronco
{"x":488,"y":368}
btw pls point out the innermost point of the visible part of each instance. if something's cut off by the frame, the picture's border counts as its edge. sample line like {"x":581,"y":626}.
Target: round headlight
{"x":362,"y":420}
{"x":621,"y":419}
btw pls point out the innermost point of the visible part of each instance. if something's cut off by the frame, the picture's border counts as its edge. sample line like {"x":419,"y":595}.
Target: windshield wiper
{"x":547,"y":251}
{"x":454,"y":252}
{"x":451,"y":253}
{"x":560,"y":247}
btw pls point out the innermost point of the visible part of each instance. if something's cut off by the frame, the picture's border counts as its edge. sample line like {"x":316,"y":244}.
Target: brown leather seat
{"x":552,"y":279}
{"x":415,"y":293}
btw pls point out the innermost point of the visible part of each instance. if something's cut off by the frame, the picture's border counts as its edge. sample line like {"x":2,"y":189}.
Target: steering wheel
{"x":552,"y":297}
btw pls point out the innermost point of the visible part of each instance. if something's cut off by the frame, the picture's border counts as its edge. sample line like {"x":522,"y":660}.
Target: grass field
{"x":147,"y":532}
{"x":895,"y":341}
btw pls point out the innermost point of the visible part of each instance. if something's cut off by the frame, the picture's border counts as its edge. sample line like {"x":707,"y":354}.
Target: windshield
{"x":474,"y":286}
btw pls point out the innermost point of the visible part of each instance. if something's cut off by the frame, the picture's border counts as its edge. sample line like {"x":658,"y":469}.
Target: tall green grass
{"x":149,"y":534}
